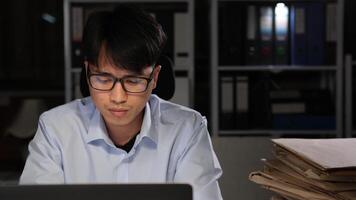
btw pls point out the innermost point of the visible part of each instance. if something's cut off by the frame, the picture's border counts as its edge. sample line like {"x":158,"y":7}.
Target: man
{"x":122,"y":133}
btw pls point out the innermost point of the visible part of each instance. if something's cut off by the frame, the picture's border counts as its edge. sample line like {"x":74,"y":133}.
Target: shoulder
{"x":178,"y":127}
{"x":69,"y":113}
{"x":66,"y":123}
{"x":171,"y":113}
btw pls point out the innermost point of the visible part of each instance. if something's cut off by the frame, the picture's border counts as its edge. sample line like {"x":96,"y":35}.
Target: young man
{"x":122,"y":133}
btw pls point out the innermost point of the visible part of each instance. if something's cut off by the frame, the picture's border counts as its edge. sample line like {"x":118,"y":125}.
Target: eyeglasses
{"x":106,"y":82}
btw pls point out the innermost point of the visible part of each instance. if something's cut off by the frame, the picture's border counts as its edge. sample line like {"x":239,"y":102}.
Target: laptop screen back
{"x":98,"y":192}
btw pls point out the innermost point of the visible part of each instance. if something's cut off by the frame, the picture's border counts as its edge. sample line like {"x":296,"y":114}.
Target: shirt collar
{"x":148,"y":129}
{"x":97,"y":129}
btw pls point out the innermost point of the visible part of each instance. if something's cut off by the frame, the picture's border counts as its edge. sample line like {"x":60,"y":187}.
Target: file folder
{"x":320,"y":169}
{"x":327,"y":156}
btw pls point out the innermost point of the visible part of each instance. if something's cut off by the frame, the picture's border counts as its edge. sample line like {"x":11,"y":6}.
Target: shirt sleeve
{"x":199,"y":166}
{"x":43,"y":165}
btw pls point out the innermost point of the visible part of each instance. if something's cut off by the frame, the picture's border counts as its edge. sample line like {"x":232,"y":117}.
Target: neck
{"x":121,"y":135}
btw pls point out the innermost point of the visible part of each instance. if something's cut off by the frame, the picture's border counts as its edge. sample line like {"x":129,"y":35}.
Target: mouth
{"x":118,"y":112}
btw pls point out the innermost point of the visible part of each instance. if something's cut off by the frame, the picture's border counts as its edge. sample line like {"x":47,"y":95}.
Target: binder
{"x":331,"y":16}
{"x":241,"y":101}
{"x":298,"y":34}
{"x":281,"y":27}
{"x":241,"y":94}
{"x":266,"y":35}
{"x":252,"y":50}
{"x":231,"y":35}
{"x":181,"y":41}
{"x":315,"y":33}
{"x":227,"y":119}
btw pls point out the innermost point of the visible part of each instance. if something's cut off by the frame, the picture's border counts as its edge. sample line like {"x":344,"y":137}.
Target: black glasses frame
{"x":121,"y":80}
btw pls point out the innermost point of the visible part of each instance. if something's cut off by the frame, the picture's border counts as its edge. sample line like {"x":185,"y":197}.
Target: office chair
{"x":165,"y":85}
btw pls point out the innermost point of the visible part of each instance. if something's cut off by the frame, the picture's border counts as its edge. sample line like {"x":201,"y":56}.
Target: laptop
{"x":98,"y":192}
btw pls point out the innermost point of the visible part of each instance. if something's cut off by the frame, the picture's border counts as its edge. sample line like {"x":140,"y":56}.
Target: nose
{"x":118,"y":95}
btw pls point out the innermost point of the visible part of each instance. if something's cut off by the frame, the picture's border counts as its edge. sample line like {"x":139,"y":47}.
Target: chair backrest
{"x":165,"y":85}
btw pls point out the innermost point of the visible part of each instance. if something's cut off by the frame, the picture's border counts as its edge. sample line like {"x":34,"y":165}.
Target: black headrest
{"x":165,"y":85}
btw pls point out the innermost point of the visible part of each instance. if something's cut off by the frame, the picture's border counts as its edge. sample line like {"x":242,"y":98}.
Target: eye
{"x":103,"y":79}
{"x":134,"y":80}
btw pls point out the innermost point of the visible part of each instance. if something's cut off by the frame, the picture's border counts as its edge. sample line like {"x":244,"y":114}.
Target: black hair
{"x":132,"y":38}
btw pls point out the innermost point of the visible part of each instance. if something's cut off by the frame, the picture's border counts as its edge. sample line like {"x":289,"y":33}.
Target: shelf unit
{"x":177,"y":19}
{"x":219,"y":69}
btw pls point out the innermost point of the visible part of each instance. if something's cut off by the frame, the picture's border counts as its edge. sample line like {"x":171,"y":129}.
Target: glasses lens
{"x":101,"y":81}
{"x":135,"y":84}
{"x":106,"y":83}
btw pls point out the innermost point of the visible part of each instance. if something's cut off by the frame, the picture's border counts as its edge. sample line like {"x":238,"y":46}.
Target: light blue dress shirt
{"x":72,"y":146}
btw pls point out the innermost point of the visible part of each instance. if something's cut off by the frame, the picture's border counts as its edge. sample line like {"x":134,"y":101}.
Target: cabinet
{"x":176,"y":18}
{"x":277,"y":68}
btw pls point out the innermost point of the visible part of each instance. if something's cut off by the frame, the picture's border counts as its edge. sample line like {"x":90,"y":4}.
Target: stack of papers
{"x":311,"y":169}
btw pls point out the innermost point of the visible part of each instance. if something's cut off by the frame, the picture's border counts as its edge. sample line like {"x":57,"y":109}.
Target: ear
{"x":156,"y":71}
{"x":86,"y":64}
{"x":86,"y":67}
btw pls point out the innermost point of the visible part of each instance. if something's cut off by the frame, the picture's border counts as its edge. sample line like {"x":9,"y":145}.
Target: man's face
{"x":121,"y":109}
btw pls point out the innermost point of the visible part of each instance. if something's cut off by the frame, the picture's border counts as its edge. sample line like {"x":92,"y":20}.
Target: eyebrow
{"x":131,"y":74}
